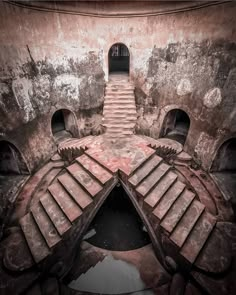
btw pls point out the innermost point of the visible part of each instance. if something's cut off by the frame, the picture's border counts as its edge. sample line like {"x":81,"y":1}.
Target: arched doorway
{"x":11,"y":160}
{"x":63,"y":124}
{"x":119,"y":58}
{"x":176,"y":125}
{"x":225,"y":159}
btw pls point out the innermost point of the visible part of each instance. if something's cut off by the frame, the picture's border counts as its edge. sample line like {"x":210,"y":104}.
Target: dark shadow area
{"x":176,"y":125}
{"x":119,"y":58}
{"x":117,"y":225}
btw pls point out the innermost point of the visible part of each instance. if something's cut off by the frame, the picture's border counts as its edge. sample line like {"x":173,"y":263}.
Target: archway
{"x":119,"y":58}
{"x":176,"y":125}
{"x":11,"y":160}
{"x":63,"y":124}
{"x":225,"y":159}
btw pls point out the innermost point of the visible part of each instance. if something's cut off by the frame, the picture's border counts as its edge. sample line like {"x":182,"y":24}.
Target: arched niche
{"x":11,"y":160}
{"x":64,"y":123}
{"x":176,"y":125}
{"x":225,"y":159}
{"x":119,"y":59}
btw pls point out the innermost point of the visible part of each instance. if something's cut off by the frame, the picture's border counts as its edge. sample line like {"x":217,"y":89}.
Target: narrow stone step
{"x":120,"y":125}
{"x":45,"y":225}
{"x":81,"y":197}
{"x":165,"y":203}
{"x":111,"y":116}
{"x":198,"y":237}
{"x":124,"y":100}
{"x":119,"y":107}
{"x":90,"y":184}
{"x":119,"y":112}
{"x":148,"y":183}
{"x":65,"y":202}
{"x":184,"y":227}
{"x":144,"y":170}
{"x":102,"y":175}
{"x":56,"y":215}
{"x":37,"y":245}
{"x":159,"y":191}
{"x":177,"y":210}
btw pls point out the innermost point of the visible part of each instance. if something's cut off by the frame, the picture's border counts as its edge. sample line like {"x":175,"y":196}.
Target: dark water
{"x":117,"y":225}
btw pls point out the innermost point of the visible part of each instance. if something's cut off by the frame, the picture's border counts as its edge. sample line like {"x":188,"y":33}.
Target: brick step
{"x":119,"y":92}
{"x":92,"y":167}
{"x":152,"y":179}
{"x":89,"y":183}
{"x":80,"y":196}
{"x":122,"y":120}
{"x":124,"y":112}
{"x":145,"y":170}
{"x":36,"y":242}
{"x":119,"y":131}
{"x":114,"y":101}
{"x":177,"y":210}
{"x":198,"y":237}
{"x":66,"y":203}
{"x":45,"y":225}
{"x":119,"y":125}
{"x":120,"y":116}
{"x":117,"y":108}
{"x":153,"y":198}
{"x":58,"y":218}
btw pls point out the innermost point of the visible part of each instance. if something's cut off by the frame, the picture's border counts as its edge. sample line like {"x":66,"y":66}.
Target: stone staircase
{"x":119,"y":112}
{"x":169,"y":204}
{"x":65,"y":204}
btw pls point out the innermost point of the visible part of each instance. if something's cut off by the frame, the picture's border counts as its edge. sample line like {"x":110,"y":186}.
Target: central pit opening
{"x":117,"y":225}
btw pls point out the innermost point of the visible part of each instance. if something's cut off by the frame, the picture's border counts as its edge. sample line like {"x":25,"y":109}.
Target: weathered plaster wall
{"x":50,"y":61}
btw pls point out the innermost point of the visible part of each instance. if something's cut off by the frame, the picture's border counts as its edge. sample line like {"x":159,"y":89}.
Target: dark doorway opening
{"x":117,"y":225}
{"x":11,"y":160}
{"x":176,"y":125}
{"x":119,"y":58}
{"x":224,"y":170}
{"x":63,"y":124}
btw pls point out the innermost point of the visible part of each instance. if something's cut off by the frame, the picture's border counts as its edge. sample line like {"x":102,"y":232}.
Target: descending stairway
{"x":119,"y":113}
{"x":169,"y":203}
{"x":67,"y":200}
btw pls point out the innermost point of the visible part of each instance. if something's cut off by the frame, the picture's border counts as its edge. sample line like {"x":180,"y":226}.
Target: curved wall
{"x":51,"y":60}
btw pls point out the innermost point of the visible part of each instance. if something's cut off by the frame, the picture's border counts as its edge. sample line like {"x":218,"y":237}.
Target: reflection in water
{"x":110,"y":276}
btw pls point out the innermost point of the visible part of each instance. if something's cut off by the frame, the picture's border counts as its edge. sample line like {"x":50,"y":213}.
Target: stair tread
{"x":88,"y":182}
{"x":56,"y":215}
{"x":144,"y":170}
{"x":147,"y":184}
{"x":97,"y":170}
{"x":165,"y":203}
{"x":35,"y":240}
{"x":65,"y":202}
{"x":45,"y":225}
{"x":80,"y":196}
{"x":177,"y":210}
{"x":187,"y":222}
{"x":159,"y":191}
{"x":198,"y":236}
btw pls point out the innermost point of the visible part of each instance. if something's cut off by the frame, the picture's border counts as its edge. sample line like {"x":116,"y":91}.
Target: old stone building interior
{"x":117,"y":147}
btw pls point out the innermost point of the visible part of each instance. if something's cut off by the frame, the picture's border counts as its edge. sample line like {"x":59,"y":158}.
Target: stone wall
{"x":50,"y":61}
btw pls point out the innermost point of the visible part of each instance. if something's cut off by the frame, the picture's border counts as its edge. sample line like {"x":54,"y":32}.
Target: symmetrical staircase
{"x":67,"y":200}
{"x":119,"y":113}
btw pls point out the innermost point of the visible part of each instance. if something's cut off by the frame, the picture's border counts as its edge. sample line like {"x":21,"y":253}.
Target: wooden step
{"x":165,"y":203}
{"x":159,"y":191}
{"x":102,"y":175}
{"x":198,"y":237}
{"x":80,"y":196}
{"x":65,"y":202}
{"x":89,"y":183}
{"x":177,"y":210}
{"x":152,"y":179}
{"x":145,"y":170}
{"x":184,"y":227}
{"x":36,"y":242}
{"x":56,"y":215}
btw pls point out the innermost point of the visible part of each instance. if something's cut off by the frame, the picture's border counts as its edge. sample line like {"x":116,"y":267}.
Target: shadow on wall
{"x":64,"y":124}
{"x":11,"y":160}
{"x":176,"y":125}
